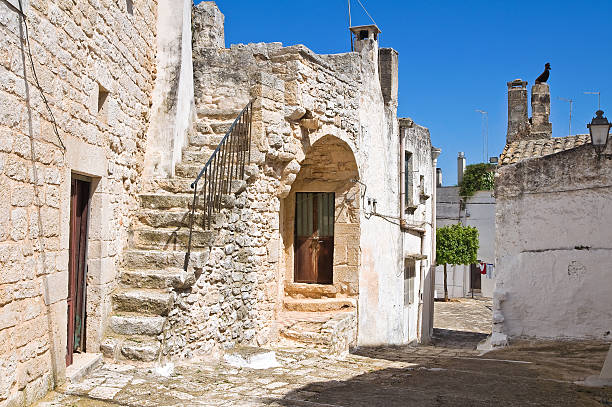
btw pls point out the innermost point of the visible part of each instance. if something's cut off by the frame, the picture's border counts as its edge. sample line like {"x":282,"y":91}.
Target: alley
{"x":448,"y":372}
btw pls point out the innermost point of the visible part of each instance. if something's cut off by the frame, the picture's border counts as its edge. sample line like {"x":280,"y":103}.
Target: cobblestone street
{"x":449,"y":372}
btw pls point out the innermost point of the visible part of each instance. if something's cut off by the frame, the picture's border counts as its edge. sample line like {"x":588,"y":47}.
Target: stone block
{"x":55,"y":287}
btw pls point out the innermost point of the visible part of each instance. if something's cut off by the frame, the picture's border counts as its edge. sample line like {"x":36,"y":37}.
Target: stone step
{"x":335,"y":331}
{"x":136,"y":324}
{"x":138,"y":348}
{"x":165,"y":201}
{"x":176,"y":218}
{"x":205,"y":140}
{"x":160,"y":259}
{"x":197,"y":156}
{"x":183,"y":185}
{"x":160,"y":279}
{"x":143,"y":301}
{"x":319,"y":304}
{"x":171,"y":238}
{"x":304,"y":290}
{"x":217,"y":114}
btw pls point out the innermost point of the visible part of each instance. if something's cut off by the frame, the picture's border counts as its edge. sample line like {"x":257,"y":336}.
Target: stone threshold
{"x":82,"y":365}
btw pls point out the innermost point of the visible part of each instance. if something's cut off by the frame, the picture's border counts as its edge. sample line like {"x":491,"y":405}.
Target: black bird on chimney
{"x":544,"y":77}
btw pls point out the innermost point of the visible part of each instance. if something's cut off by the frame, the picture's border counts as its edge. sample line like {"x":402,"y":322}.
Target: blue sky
{"x":456,"y":56}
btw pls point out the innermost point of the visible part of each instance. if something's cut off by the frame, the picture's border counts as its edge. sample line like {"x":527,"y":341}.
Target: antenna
{"x":350,"y":24}
{"x":570,"y":116}
{"x":485,"y":134}
{"x":598,"y":98}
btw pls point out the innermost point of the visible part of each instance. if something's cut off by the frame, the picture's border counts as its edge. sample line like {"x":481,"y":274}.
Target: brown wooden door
{"x":79,"y":213}
{"x":314,"y":237}
{"x":474,"y":277}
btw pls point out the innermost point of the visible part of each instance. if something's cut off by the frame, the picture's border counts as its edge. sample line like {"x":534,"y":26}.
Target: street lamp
{"x":599,"y":129}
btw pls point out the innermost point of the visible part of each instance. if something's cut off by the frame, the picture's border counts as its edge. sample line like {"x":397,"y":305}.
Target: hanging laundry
{"x":483,"y":268}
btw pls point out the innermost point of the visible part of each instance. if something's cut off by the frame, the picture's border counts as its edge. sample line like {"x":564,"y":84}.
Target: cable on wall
{"x":42,"y":94}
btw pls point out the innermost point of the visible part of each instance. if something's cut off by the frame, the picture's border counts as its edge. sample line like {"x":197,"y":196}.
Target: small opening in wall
{"x":102,"y":96}
{"x":363,"y":34}
{"x":129,"y":4}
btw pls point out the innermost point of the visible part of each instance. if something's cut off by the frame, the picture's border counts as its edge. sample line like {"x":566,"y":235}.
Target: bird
{"x":544,"y":77}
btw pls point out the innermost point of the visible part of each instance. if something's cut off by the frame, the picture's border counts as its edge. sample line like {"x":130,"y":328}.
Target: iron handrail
{"x":225,"y":164}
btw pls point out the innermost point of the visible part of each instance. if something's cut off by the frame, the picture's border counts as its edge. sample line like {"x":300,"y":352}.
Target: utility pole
{"x":570,"y":115}
{"x":598,"y":98}
{"x":485,"y":134}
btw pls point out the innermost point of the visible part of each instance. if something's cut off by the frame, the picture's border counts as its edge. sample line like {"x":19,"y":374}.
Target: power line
{"x":366,"y":11}
{"x":42,"y":94}
{"x":571,"y":101}
{"x":485,"y":134}
{"x":598,"y":98}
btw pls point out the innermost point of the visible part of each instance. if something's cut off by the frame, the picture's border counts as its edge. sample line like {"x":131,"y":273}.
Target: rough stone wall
{"x":553,"y":222}
{"x":301,"y":98}
{"x":282,"y":81}
{"x":77,"y":49}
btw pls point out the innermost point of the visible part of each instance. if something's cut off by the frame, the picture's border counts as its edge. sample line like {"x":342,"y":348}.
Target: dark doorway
{"x":77,"y":264}
{"x":475,"y":277}
{"x":314,"y":237}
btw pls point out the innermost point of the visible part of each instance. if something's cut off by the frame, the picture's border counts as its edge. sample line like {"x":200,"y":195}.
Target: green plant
{"x":477,"y":177}
{"x":456,"y":244}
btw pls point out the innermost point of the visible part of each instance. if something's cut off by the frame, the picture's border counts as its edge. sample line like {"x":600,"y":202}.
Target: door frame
{"x":77,"y":277}
{"x":314,"y":239}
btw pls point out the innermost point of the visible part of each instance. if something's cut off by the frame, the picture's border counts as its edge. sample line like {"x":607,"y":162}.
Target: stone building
{"x":324,"y":238}
{"x":552,"y":229}
{"x":477,"y":211}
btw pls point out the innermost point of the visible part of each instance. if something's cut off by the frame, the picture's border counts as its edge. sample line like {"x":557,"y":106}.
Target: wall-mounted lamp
{"x":599,"y":128}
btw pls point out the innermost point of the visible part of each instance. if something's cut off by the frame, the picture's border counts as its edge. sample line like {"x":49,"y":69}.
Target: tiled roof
{"x":520,"y":150}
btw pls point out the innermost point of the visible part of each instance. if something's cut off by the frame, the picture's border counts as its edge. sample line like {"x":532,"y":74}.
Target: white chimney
{"x":460,"y":167}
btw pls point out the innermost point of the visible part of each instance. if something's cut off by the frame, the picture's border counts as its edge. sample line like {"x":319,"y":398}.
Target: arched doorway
{"x":321,"y":228}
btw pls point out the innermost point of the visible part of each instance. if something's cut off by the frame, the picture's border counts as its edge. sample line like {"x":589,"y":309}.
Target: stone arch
{"x":329,"y":165}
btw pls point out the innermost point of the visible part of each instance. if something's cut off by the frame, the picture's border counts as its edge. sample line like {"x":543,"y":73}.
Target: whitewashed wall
{"x":554,"y":246}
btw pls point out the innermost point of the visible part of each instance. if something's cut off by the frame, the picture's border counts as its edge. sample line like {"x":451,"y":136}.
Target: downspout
{"x":421,"y":285}
{"x":435,"y":153}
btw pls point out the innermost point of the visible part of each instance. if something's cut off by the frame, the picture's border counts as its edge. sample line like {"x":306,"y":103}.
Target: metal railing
{"x":225,"y":165}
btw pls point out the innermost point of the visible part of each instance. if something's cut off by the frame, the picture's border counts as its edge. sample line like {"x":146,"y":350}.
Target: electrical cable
{"x":42,"y":94}
{"x":366,"y":11}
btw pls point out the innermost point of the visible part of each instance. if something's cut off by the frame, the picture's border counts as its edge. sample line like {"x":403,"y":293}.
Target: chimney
{"x":518,"y":123}
{"x":366,"y":37}
{"x":387,"y":71}
{"x":439,"y":177}
{"x":460,"y":167}
{"x":540,"y":111}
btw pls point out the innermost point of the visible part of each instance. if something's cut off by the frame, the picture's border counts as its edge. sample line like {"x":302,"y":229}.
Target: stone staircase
{"x":152,"y":273}
{"x":313,"y":316}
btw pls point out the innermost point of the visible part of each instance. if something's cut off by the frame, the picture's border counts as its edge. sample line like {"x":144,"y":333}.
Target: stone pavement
{"x":448,"y":372}
{"x":464,"y":314}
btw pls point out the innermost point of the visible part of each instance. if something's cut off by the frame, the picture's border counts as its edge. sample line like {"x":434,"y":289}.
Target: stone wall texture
{"x":553,"y":222}
{"x":77,"y":49}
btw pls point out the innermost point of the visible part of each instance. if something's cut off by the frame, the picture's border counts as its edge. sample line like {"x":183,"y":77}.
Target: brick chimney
{"x":518,"y":122}
{"x":540,"y":111}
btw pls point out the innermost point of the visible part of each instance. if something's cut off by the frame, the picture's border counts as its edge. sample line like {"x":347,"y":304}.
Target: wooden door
{"x":474,"y":277}
{"x":314,"y":237}
{"x":79,"y":214}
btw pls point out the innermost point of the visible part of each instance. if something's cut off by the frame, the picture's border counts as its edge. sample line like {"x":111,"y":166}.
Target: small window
{"x":102,"y":103}
{"x":129,"y":5}
{"x":409,"y":276}
{"x":363,"y":34}
{"x":408,"y":172}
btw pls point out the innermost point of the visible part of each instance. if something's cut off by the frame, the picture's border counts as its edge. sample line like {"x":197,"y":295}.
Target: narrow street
{"x":449,"y":372}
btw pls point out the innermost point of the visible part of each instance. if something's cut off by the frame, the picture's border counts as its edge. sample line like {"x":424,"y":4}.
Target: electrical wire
{"x":42,"y":94}
{"x":366,"y":11}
